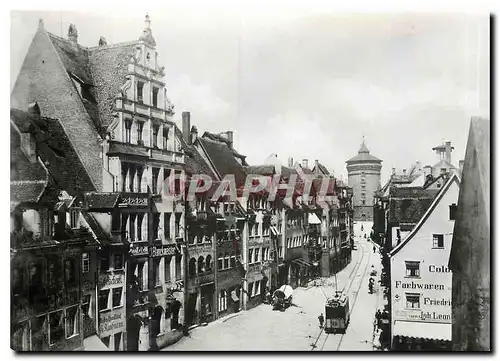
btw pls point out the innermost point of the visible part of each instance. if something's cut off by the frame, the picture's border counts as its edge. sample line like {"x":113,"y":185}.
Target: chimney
{"x":290,"y":162}
{"x":418,"y":166}
{"x":404,"y":171}
{"x":73,"y":34}
{"x":102,"y":41}
{"x":230,"y":138}
{"x":194,"y":134}
{"x":316,"y":162}
{"x":460,"y":166}
{"x":448,"y":149}
{"x":305,"y":163}
{"x":427,"y":170}
{"x":393,"y":171}
{"x":186,"y":126}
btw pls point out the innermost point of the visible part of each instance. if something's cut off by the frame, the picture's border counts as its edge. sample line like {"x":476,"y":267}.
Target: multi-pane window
{"x":104,"y":261}
{"x":453,"y":212}
{"x":412,"y":300}
{"x":155,"y":97}
{"x":220,"y":262}
{"x":140,"y":276}
{"x":154,"y":183}
{"x":438,"y":241}
{"x":70,"y":271}
{"x":56,"y":328}
{"x":165,"y":137}
{"x":73,"y":215}
{"x":117,"y":296}
{"x":140,"y":89}
{"x":250,"y":255}
{"x":85,"y":262}
{"x":86,"y":304}
{"x":118,"y":258}
{"x":257,"y":255}
{"x":233,"y":261}
{"x":178,"y":274}
{"x":168,"y":275}
{"x":222,"y":300}
{"x":72,"y":318}
{"x":140,"y":126}
{"x":118,"y":339}
{"x":156,"y":271}
{"x":103,"y":299}
{"x":128,"y":127}
{"x":226,"y":262}
{"x":412,"y":269}
{"x":156,"y":129}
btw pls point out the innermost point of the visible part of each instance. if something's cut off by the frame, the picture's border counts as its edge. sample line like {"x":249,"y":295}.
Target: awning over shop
{"x":301,"y":262}
{"x":313,"y":219}
{"x":429,"y":330}
{"x":94,"y":343}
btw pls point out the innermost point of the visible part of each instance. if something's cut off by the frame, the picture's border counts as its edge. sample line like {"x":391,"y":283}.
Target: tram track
{"x":347,"y":287}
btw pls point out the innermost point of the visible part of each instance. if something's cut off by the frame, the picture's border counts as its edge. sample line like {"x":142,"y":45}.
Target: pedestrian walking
{"x":321,"y":320}
{"x":374,"y":249}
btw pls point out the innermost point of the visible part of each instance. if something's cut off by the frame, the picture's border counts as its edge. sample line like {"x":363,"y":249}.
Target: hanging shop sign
{"x":109,"y":280}
{"x":111,"y":322}
{"x":154,"y":251}
{"x":135,"y":200}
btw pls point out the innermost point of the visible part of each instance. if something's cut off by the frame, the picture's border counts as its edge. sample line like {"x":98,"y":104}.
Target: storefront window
{"x":56,"y":330}
{"x":168,"y":275}
{"x":72,"y":318}
{"x":117,"y":296}
{"x":103,"y":300}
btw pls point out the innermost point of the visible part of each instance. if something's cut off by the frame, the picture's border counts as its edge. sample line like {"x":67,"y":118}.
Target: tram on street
{"x":337,"y":313}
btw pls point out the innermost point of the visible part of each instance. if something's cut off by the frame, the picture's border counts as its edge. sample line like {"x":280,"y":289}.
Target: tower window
{"x":128,"y":126}
{"x":140,"y":125}
{"x":155,"y":97}
{"x":140,"y":87}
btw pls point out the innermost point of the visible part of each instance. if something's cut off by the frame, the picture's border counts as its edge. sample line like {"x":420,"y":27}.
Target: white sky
{"x":307,"y":84}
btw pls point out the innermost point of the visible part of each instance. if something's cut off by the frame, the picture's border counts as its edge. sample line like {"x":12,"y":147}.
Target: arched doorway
{"x":201,"y":265}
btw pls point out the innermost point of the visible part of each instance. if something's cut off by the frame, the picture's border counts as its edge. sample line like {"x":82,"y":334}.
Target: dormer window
{"x":140,"y":88}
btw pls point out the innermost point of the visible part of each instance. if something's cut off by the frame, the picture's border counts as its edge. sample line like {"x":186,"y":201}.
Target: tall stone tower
{"x":364,"y":178}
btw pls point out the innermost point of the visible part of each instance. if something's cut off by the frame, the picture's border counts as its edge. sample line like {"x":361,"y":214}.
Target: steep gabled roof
{"x":408,"y":205}
{"x":363,"y":156}
{"x":27,"y":191}
{"x":109,"y":66}
{"x":427,"y":213}
{"x":223,"y":159}
{"x":320,"y":169}
{"x":54,"y":65}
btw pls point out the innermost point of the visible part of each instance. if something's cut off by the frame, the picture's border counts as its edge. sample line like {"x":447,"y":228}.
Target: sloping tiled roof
{"x":116,"y":148}
{"x":321,"y":169}
{"x":408,"y":205}
{"x":363,"y":156}
{"x":265,"y":169}
{"x":56,"y":152}
{"x":96,"y":229}
{"x":74,"y":58}
{"x":27,"y":191}
{"x":20,"y":167}
{"x":109,"y":66}
{"x":101,"y":200}
{"x":223,"y":159}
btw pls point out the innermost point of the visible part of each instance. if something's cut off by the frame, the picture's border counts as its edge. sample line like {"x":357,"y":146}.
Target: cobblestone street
{"x":297,"y":329}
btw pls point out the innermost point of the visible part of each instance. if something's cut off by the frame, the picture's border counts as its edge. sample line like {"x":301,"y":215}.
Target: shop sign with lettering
{"x":163,"y":250}
{"x":134,"y":201}
{"x":111,"y":279}
{"x":111,"y":322}
{"x":154,"y":251}
{"x":139,"y":250}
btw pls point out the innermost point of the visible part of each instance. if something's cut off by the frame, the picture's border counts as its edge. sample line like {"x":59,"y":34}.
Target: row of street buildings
{"x":107,"y":251}
{"x":433,"y":226}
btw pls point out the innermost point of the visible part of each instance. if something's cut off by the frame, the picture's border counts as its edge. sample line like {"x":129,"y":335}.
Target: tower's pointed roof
{"x":363,"y":148}
{"x":363,"y":155}
{"x":147,"y":34}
